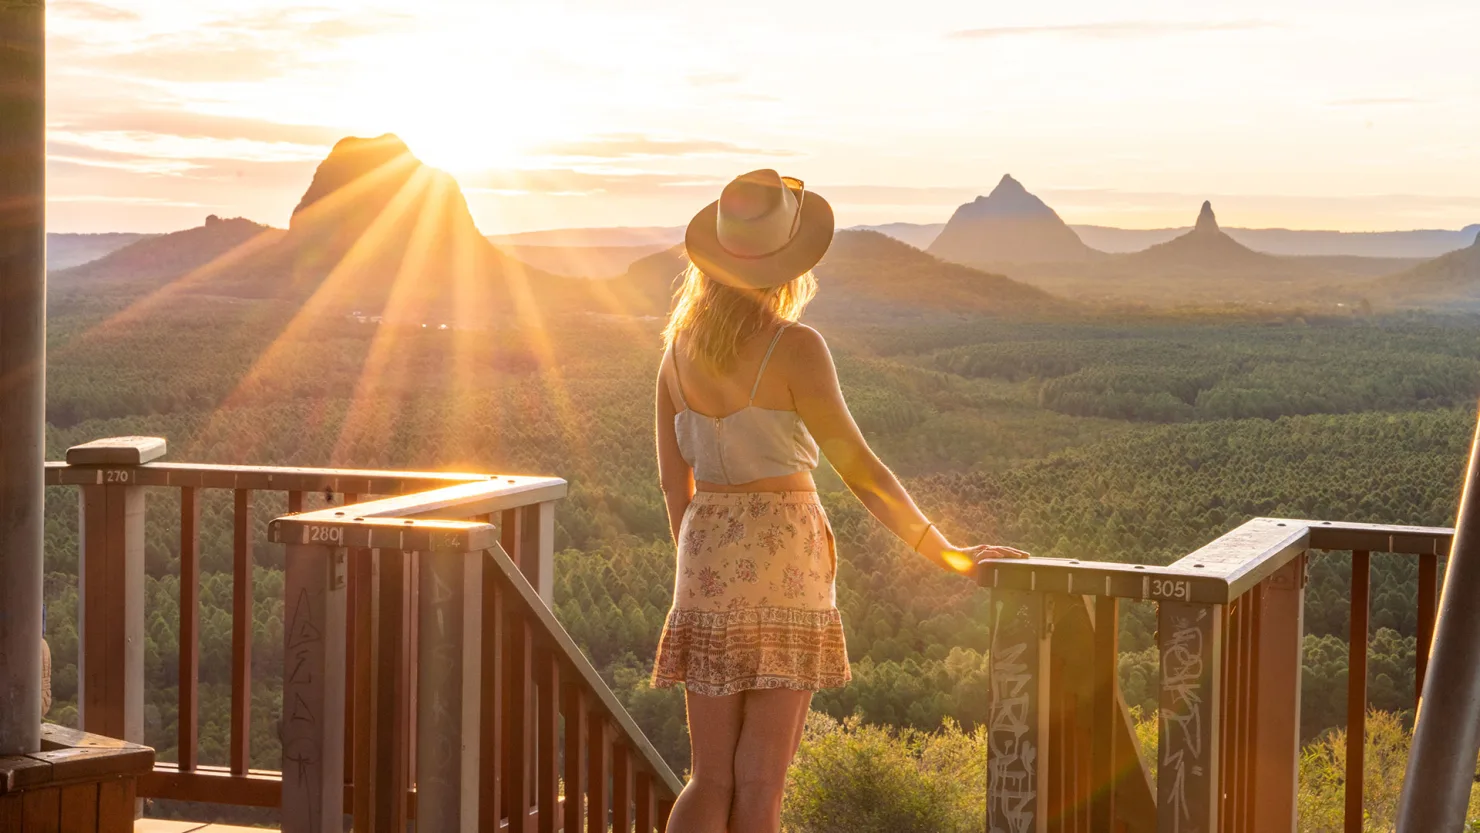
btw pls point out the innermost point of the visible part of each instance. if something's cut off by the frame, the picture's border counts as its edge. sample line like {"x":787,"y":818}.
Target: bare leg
{"x":769,"y":736}
{"x":714,"y":729}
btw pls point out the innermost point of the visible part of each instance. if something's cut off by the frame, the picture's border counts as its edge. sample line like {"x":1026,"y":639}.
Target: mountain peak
{"x":1476,"y":244}
{"x":1205,"y":220}
{"x":384,"y":158}
{"x":1010,"y":225}
{"x":1008,"y":187}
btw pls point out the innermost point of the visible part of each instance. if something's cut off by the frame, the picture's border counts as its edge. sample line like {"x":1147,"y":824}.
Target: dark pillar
{"x":1446,"y":738}
{"x":22,"y":366}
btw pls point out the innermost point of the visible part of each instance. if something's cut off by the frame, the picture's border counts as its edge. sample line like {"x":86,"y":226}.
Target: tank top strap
{"x":683,"y":401}
{"x":769,"y":350}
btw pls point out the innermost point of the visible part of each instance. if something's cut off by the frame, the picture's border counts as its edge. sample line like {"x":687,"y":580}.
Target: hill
{"x":153,"y":260}
{"x":593,"y":237}
{"x":1294,"y":242}
{"x":919,"y":235}
{"x":1009,"y":225}
{"x":64,"y":250}
{"x":870,"y":275}
{"x":581,"y":261}
{"x":1451,"y":281}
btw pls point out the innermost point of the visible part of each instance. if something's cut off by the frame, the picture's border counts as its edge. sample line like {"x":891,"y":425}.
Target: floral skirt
{"x":754,"y":602}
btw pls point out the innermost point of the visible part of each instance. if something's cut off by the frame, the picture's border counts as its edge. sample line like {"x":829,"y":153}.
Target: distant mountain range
{"x":1296,"y":243}
{"x":376,"y":231}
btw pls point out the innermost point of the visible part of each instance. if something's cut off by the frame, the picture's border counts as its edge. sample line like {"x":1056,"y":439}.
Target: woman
{"x":742,"y":392}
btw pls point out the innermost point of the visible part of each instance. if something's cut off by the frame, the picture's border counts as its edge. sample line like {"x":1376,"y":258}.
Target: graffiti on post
{"x":1011,"y":754}
{"x":1184,"y":761}
{"x":301,"y":732}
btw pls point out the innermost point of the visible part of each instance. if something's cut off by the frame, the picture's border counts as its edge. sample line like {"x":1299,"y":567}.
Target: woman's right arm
{"x":819,"y":401}
{"x":675,"y":477}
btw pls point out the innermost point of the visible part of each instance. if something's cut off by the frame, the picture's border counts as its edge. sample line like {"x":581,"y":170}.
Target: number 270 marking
{"x":1171,"y":589}
{"x":115,"y":476}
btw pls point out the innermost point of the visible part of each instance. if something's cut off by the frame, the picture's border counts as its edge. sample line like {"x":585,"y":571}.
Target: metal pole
{"x":1446,"y":738}
{"x":22,"y":366}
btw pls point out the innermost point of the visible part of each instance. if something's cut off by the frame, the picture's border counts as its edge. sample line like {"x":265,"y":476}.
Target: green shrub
{"x":849,"y":777}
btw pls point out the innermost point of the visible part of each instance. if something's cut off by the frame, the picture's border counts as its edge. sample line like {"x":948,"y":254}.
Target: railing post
{"x":1277,"y":699}
{"x":313,"y":688}
{"x":528,"y":536}
{"x":1446,"y":734}
{"x":111,"y":575}
{"x":22,"y":368}
{"x":449,"y":678}
{"x":1188,"y":778}
{"x":1016,"y":722}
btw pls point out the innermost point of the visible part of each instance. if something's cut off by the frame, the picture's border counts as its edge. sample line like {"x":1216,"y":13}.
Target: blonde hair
{"x":718,"y":318}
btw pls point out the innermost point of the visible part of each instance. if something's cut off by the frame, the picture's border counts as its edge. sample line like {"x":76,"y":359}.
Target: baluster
{"x":361,"y":619}
{"x":352,"y":593}
{"x":313,"y":688}
{"x":621,"y":788}
{"x":1229,"y":726}
{"x":598,"y":743}
{"x":575,"y":750}
{"x":1276,"y":719}
{"x":1105,"y":712}
{"x":1250,"y":723}
{"x":547,"y":731}
{"x":493,"y":808}
{"x":448,"y":737}
{"x":1428,"y":606}
{"x":665,"y":809}
{"x":241,"y":633}
{"x":188,"y":721}
{"x":1356,"y":691}
{"x":644,"y":802}
{"x":392,"y":691}
{"x":518,"y":722}
{"x":1189,"y":778}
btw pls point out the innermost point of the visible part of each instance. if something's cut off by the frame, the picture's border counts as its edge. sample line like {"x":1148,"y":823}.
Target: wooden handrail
{"x":1230,"y":625}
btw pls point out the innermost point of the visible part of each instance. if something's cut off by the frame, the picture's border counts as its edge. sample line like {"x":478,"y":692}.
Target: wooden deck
{"x":173,"y":826}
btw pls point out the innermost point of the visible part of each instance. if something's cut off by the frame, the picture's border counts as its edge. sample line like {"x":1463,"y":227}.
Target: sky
{"x":1355,"y":115}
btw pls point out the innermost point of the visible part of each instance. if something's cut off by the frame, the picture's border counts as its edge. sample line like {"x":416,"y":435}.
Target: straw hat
{"x":764,"y":230}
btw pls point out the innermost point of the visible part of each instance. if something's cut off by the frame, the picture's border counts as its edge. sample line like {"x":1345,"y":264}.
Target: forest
{"x":1128,"y":437}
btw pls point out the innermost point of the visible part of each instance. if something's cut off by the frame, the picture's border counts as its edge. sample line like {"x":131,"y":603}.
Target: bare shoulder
{"x":808,"y":360}
{"x":804,"y":343}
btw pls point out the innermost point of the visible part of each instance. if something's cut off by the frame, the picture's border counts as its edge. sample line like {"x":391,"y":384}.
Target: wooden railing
{"x":1229,"y":630}
{"x":425,"y":676}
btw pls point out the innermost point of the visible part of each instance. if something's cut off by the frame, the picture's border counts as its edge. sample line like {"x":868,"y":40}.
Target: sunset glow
{"x":1311,"y":114}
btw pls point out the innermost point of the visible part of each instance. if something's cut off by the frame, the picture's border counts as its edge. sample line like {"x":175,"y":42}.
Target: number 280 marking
{"x":325,"y":535}
{"x":1171,"y":589}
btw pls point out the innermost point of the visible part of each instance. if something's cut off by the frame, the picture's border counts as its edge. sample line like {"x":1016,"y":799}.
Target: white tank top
{"x":749,"y":444}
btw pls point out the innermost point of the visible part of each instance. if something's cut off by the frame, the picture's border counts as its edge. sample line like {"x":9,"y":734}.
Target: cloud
{"x":198,"y":126}
{"x":1373,"y":102}
{"x":633,"y":146}
{"x":570,"y":182}
{"x":1114,"y":30}
{"x":88,"y":10}
{"x":714,"y":79}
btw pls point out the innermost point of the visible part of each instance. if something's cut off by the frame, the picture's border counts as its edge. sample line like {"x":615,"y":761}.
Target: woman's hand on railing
{"x":963,"y":560}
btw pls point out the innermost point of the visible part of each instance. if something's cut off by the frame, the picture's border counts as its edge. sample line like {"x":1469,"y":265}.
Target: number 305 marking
{"x":325,"y":535}
{"x":1171,"y":589}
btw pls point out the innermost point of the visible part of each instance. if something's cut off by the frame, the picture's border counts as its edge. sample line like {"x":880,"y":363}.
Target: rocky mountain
{"x":1206,"y":248}
{"x":1451,"y":281}
{"x":1419,"y":244}
{"x":1009,"y":225}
